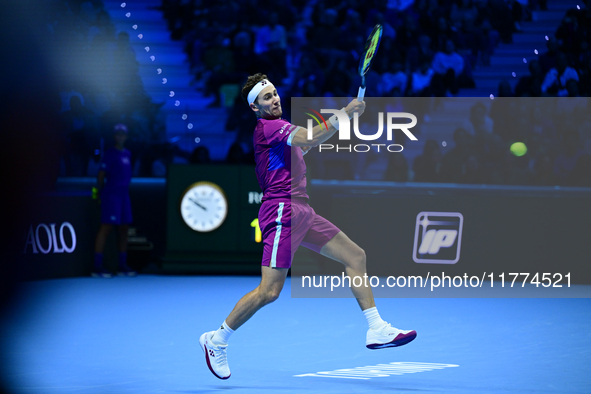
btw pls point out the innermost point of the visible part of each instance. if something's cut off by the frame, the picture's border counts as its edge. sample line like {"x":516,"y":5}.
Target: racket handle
{"x":361,"y":93}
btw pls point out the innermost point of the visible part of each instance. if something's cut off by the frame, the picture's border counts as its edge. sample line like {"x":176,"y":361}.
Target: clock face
{"x":204,"y":206}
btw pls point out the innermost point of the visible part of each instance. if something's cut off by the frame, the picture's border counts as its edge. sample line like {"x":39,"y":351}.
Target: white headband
{"x":254,"y":93}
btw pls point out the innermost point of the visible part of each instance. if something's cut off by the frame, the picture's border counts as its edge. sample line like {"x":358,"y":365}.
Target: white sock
{"x":221,"y":336}
{"x":373,"y":318}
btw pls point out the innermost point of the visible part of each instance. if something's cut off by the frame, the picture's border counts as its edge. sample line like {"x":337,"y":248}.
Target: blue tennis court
{"x":140,"y":335}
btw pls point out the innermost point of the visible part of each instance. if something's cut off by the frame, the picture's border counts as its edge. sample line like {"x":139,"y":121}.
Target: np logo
{"x":438,"y":237}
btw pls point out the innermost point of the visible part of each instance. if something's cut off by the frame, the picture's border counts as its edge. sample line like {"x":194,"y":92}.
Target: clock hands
{"x":199,"y":205}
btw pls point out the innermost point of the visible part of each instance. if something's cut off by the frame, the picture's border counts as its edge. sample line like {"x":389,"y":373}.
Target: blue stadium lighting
{"x":525,"y":60}
{"x":159,"y":71}
{"x":492,"y":96}
{"x":197,"y":140}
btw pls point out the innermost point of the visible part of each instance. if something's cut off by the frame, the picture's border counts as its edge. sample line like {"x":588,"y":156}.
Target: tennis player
{"x":287,"y":221}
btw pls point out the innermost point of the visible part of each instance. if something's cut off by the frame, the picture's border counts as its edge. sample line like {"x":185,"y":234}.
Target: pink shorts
{"x":287,"y":224}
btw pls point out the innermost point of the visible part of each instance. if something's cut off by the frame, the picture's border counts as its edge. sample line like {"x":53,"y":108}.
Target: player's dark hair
{"x":250,"y":83}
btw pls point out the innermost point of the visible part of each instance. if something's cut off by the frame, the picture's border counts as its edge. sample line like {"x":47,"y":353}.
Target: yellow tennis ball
{"x":518,"y":149}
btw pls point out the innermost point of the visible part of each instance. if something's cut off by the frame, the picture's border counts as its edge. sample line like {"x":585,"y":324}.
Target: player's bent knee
{"x":356,"y":258}
{"x":362,"y":256}
{"x":268,"y":296}
{"x":271,"y":296}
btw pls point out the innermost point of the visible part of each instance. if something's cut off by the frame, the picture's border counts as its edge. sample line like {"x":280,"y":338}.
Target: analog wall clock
{"x":204,"y":206}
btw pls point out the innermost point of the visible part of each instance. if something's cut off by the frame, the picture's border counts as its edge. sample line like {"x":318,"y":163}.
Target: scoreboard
{"x":202,"y":194}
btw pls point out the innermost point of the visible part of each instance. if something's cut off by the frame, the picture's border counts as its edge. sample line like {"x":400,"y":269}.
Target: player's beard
{"x":276,"y":112}
{"x":271,"y":112}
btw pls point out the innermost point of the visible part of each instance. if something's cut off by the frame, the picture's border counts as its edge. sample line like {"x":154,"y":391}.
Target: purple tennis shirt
{"x":280,"y":169}
{"x":117,"y":167}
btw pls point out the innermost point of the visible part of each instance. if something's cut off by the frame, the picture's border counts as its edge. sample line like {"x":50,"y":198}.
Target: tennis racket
{"x":369,"y":53}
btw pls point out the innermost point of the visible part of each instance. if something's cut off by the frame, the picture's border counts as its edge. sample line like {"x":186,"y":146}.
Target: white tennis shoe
{"x":215,"y":356}
{"x":388,"y":336}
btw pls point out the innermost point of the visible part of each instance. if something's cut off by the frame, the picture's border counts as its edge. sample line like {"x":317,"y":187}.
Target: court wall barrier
{"x":405,"y":229}
{"x":414,"y":229}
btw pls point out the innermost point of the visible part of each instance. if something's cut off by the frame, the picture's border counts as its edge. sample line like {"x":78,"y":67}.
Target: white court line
{"x":379,"y":371}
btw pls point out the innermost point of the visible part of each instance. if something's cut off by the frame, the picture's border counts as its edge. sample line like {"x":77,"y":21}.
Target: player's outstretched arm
{"x":320,"y":133}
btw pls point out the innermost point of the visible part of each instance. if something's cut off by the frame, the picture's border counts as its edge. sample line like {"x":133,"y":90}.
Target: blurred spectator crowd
{"x":311,"y":48}
{"x":564,"y":69}
{"x":99,"y":86}
{"x":429,"y":49}
{"x":556,"y":134}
